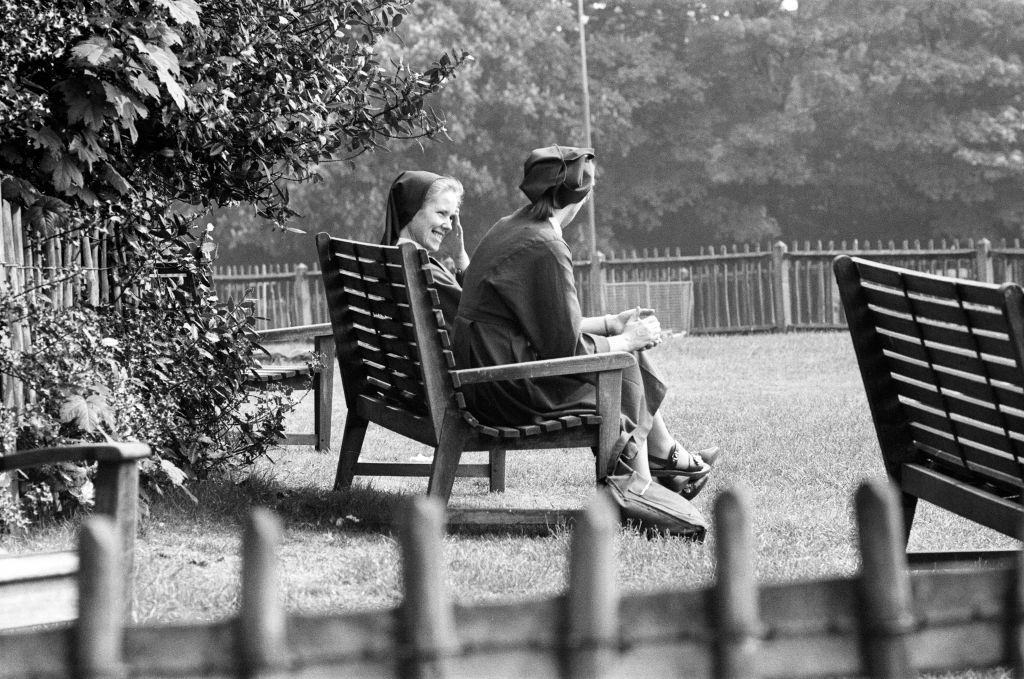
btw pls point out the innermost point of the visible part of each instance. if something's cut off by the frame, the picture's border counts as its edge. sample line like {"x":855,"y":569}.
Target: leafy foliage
{"x":172,"y":101}
{"x":135,"y":118}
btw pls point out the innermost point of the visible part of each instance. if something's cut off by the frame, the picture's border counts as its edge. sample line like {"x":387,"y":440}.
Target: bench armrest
{"x":571,"y":365}
{"x":102,"y":452}
{"x":295,"y":333}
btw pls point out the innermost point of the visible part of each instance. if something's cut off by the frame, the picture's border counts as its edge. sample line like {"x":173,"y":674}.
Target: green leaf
{"x":83,"y":413}
{"x":81,"y":105}
{"x":48,"y":215}
{"x":66,"y":174}
{"x":47,"y":139}
{"x":97,"y":50}
{"x":182,"y":11}
{"x":114,"y":178}
{"x":83,"y":150}
{"x":144,"y":85}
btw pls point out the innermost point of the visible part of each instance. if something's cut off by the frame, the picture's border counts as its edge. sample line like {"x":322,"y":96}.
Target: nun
{"x":423,"y":209}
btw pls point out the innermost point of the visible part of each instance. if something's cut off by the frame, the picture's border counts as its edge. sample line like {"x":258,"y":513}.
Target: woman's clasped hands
{"x":638,"y":328}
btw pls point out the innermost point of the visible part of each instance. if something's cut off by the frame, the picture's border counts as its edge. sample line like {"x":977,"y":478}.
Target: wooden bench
{"x":398,"y":372}
{"x":299,"y":376}
{"x":942,"y":361}
{"x":38,"y":588}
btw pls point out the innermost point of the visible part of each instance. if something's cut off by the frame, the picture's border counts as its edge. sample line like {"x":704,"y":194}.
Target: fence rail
{"x":720,"y":290}
{"x":883,"y":622}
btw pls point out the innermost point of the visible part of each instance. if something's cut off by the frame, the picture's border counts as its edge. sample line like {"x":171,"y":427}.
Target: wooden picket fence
{"x":883,"y":622}
{"x":720,"y":290}
{"x":59,"y":270}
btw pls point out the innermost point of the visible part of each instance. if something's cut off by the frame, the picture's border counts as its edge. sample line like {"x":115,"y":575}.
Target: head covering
{"x":563,"y":169}
{"x":405,"y":198}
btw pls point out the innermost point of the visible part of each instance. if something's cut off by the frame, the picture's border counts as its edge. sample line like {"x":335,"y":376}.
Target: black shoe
{"x":686,"y":482}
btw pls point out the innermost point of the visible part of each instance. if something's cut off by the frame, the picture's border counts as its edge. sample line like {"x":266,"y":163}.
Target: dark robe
{"x":519,"y":303}
{"x":449,"y":291}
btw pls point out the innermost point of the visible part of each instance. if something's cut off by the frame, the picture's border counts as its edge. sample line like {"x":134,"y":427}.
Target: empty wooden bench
{"x":299,"y":376}
{"x":38,"y":588}
{"x":943,"y":369}
{"x":398,"y":372}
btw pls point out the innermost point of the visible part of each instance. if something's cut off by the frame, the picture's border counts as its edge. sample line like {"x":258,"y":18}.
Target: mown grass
{"x":789,"y":410}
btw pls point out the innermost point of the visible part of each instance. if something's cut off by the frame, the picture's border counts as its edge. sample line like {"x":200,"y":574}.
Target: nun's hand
{"x":616,"y":323}
{"x":457,"y":243}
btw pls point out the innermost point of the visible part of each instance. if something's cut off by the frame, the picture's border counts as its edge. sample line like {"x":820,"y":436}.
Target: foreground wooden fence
{"x":884,"y":622}
{"x":717,"y":291}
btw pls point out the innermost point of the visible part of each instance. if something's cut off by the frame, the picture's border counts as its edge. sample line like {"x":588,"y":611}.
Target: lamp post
{"x":596,"y":300}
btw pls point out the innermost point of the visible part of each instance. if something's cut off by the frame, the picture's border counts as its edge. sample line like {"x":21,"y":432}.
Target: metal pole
{"x":596,"y":298}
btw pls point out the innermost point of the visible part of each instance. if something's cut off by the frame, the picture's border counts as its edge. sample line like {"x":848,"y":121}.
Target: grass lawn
{"x":788,"y":409}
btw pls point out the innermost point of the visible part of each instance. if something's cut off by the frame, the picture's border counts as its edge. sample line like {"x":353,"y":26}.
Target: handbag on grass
{"x":653,"y":508}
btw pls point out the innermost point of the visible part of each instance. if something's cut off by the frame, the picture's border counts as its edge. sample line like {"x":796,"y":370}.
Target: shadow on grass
{"x":227,"y":500}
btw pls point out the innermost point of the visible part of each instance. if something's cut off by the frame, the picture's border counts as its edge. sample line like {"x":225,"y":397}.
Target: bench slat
{"x":996,"y":468}
{"x":987,"y":318}
{"x":393,"y":384}
{"x":394,"y":363}
{"x":366,"y":269}
{"x":387,"y":344}
{"x":964,"y":430}
{"x":948,"y":358}
{"x":366,"y":252}
{"x":965,"y":383}
{"x":387,"y":325}
{"x":957,"y":405}
{"x":940,"y":286}
{"x":373,"y":290}
{"x":950,"y":336}
{"x":373,"y":308}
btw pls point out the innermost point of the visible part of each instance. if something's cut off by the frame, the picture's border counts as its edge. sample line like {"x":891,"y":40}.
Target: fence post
{"x":984,"y":254}
{"x":426,"y":624}
{"x":97,"y":634}
{"x":262,"y":649}
{"x":592,"y":602}
{"x":780,"y":289}
{"x":737,"y":626}
{"x":885,"y":595}
{"x":596,"y":284}
{"x":304,"y":312}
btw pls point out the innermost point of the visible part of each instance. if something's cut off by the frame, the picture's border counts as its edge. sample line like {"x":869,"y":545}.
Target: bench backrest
{"x":941,"y":360}
{"x":391,"y":345}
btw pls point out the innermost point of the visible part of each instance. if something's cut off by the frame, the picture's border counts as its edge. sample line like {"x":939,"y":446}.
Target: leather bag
{"x":653,"y":508}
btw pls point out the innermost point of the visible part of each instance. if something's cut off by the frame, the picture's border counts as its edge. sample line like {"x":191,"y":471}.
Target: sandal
{"x":690,"y":482}
{"x":669,"y":467}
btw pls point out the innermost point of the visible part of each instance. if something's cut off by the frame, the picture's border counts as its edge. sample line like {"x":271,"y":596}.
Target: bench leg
{"x":351,"y":446}
{"x":497,"y":471}
{"x":450,"y":442}
{"x":323,"y":393}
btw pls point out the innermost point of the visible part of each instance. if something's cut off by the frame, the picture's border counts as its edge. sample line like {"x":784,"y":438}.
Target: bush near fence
{"x":721,"y":290}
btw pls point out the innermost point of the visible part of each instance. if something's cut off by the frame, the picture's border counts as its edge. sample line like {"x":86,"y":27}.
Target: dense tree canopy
{"x":726,"y":120}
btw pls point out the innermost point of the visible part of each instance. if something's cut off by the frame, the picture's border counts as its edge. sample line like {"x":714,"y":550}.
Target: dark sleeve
{"x":539,"y":288}
{"x":449,"y":291}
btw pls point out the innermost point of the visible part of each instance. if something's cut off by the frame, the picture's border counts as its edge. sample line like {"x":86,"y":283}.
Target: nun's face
{"x":434,"y":220}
